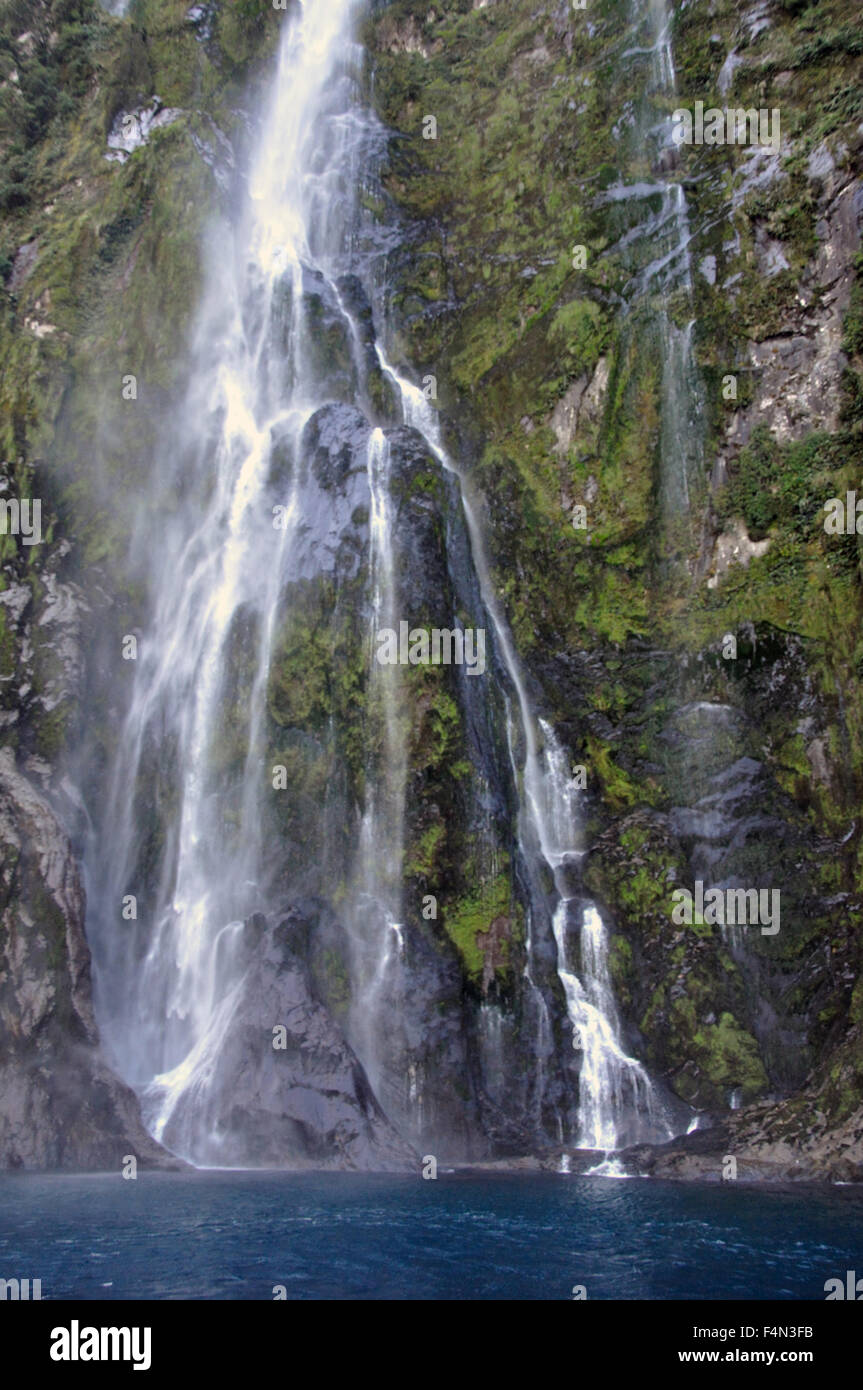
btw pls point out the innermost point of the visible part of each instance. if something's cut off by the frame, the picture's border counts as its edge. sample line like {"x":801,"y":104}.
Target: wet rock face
{"x":60,"y":1105}
{"x":736,"y":772}
{"x":41,"y":617}
{"x":286,"y":1090}
{"x":324,"y":332}
{"x":310,"y":336}
{"x":730,"y":780}
{"x":381,"y":402}
{"x":798,"y":373}
{"x":729,"y":1013}
{"x":435,"y":1061}
{"x":335,"y":444}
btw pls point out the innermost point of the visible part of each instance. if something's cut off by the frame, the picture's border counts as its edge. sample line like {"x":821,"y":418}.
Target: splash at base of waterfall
{"x":618,"y":1103}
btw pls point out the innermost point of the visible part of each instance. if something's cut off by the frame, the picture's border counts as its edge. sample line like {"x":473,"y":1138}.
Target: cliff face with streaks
{"x":700,"y":653}
{"x":646,"y":362}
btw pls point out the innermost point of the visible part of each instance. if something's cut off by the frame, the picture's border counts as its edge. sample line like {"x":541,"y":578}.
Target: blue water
{"x":220,"y":1235}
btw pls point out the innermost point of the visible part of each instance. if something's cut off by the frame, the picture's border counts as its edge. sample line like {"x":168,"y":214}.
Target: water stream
{"x":656,"y":249}
{"x":614,"y":1089}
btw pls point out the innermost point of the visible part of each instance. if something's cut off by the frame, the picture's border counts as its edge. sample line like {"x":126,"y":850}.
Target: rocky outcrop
{"x":767,"y":1143}
{"x":457,"y":965}
{"x":60,"y":1105}
{"x":283,"y":1088}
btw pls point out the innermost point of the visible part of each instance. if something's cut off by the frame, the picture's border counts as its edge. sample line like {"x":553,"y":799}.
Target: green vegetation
{"x":482,"y":924}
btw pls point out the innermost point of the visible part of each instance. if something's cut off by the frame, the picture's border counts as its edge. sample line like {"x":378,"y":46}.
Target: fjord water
{"x":344,"y":1236}
{"x":167,"y":982}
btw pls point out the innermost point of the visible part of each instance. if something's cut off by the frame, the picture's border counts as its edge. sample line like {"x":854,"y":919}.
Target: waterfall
{"x":680,"y":445}
{"x":658,"y":250}
{"x":616,"y":1097}
{"x":184,"y":836}
{"x":184,"y":815}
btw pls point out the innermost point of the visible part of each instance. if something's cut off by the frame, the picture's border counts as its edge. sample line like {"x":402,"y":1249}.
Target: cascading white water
{"x":680,"y":450}
{"x":681,"y":454}
{"x":164,"y":1006}
{"x":662,"y":56}
{"x":613,"y":1088}
{"x":221,"y":558}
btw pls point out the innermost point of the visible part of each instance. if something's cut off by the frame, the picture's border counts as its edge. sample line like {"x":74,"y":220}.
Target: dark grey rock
{"x":60,"y":1105}
{"x":306,"y":1105}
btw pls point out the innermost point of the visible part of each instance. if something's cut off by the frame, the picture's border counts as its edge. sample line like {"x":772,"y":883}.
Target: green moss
{"x":51,"y":730}
{"x":41,"y":908}
{"x":300,"y":687}
{"x":619,"y":790}
{"x":319,"y":674}
{"x":730,"y":1059}
{"x":620,"y":968}
{"x":706,"y":1061}
{"x":468,"y":921}
{"x":8,"y":648}
{"x":577,"y":328}
{"x":246,"y":30}
{"x":771,"y":484}
{"x":423,"y":858}
{"x":437,"y":738}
